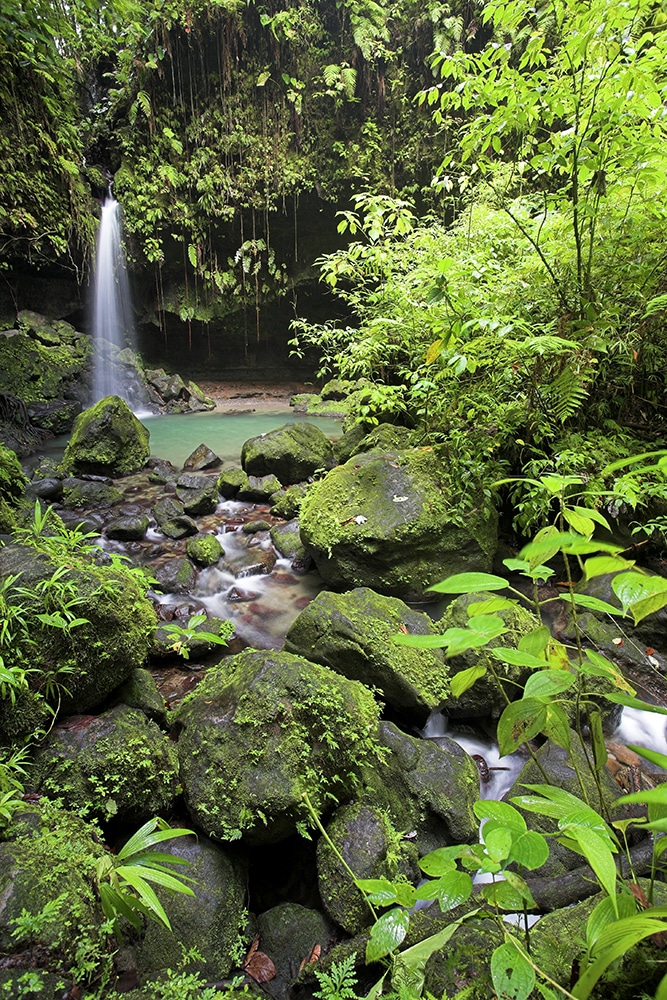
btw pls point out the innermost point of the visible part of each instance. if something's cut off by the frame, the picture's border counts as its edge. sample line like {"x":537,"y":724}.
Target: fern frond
{"x":568,"y":391}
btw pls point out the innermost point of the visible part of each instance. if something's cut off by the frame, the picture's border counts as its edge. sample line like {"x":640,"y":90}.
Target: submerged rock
{"x":261,"y":729}
{"x":352,"y":633}
{"x":107,"y":439}
{"x":292,"y":452}
{"x":391,"y":521}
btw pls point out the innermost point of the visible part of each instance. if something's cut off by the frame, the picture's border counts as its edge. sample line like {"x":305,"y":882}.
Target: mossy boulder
{"x":86,"y":493}
{"x":40,"y":372}
{"x":288,"y":934}
{"x":204,"y":549}
{"x":212,"y":921}
{"x":485,"y":698}
{"x":230,"y":481}
{"x":107,"y":439}
{"x":286,"y":537}
{"x":140,"y":691}
{"x":47,"y":863}
{"x":352,"y":633}
{"x":262,"y":729}
{"x":118,"y":764}
{"x":386,"y":437}
{"x":393,"y":522}
{"x":197,"y":493}
{"x":13,"y":481}
{"x":176,"y":575}
{"x":201,"y":458}
{"x":464,"y":963}
{"x":289,"y":504}
{"x":129,"y":528}
{"x":372,"y":847}
{"x":259,"y":489}
{"x":292,"y":452}
{"x":87,"y":662}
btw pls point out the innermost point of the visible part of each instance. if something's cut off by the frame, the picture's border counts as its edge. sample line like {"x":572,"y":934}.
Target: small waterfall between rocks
{"x":113,"y":326}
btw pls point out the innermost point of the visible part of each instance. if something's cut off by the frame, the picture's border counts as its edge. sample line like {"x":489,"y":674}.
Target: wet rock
{"x":201,"y":458}
{"x":289,"y":505}
{"x":198,"y":494}
{"x":57,"y":416}
{"x":84,"y":493}
{"x":44,"y":489}
{"x":348,"y":444}
{"x":128,"y":529}
{"x":140,"y":691}
{"x":292,"y":452}
{"x":163,"y":473}
{"x":250,"y":563}
{"x":385,"y":437}
{"x":176,"y":576}
{"x":119,"y":764}
{"x":370,"y":845}
{"x":252,"y":527}
{"x":211,"y":921}
{"x":169,"y":387}
{"x":235,"y":596}
{"x":393,"y":522}
{"x":107,"y":439}
{"x":261,"y":729}
{"x":464,"y":963}
{"x":289,"y":934}
{"x":204,"y":549}
{"x":259,"y":488}
{"x":230,"y":481}
{"x":167,"y":643}
{"x":352,"y":633}
{"x":287,"y":540}
{"x":179,"y":527}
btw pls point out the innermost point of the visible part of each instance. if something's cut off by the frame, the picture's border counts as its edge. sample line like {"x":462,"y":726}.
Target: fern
{"x":569,"y":390}
{"x":340,"y":982}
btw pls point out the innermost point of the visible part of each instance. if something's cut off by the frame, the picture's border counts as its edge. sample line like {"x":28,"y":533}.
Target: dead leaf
{"x":650,"y":651}
{"x":258,"y":965}
{"x":314,"y":956}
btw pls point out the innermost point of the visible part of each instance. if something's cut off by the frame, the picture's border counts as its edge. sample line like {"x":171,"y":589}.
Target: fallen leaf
{"x":650,"y":651}
{"x":258,"y":965}
{"x":315,"y":953}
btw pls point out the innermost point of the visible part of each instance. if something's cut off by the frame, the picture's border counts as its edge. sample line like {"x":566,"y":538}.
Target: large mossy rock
{"x":391,"y":521}
{"x":262,"y":729}
{"x":289,"y":934}
{"x":37,"y":371}
{"x":365,"y":837}
{"x":212,"y":921}
{"x":107,"y":439}
{"x":87,"y":662}
{"x":119,"y":764}
{"x":292,"y":452}
{"x":352,"y":633}
{"x":464,"y":963}
{"x":47,"y":864}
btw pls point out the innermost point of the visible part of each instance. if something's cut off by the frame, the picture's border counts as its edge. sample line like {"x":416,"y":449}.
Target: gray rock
{"x":201,"y":458}
{"x":292,"y":452}
{"x":128,"y":529}
{"x":176,"y":576}
{"x":259,"y":488}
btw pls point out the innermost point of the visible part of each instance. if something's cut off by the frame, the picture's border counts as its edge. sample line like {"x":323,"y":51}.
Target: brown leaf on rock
{"x":314,"y":956}
{"x":258,"y":965}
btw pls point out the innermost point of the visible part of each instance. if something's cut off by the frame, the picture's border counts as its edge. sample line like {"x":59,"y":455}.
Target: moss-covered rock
{"x":35,"y":371}
{"x":352,"y":633}
{"x":107,"y":439}
{"x":212,"y":921}
{"x":168,"y":643}
{"x":485,"y":697}
{"x":119,"y":764}
{"x":392,"y":522}
{"x":204,"y":549}
{"x":386,"y":437}
{"x":197,"y":493}
{"x":292,"y":452}
{"x":201,"y":458}
{"x":47,"y":866}
{"x":372,"y":847}
{"x":87,"y":662}
{"x":288,"y":934}
{"x":261,"y":729}
{"x":289,"y":504}
{"x":230,"y":481}
{"x":13,"y":481}
{"x":176,"y":575}
{"x":140,"y":691}
{"x":85,"y":493}
{"x":464,"y":963}
{"x":130,"y":528}
{"x":259,"y":489}
{"x":287,"y":540}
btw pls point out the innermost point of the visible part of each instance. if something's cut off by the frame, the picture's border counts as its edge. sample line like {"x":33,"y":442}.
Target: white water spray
{"x":113,"y":328}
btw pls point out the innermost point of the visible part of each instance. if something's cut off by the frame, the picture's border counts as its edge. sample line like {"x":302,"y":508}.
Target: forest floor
{"x":232,"y":397}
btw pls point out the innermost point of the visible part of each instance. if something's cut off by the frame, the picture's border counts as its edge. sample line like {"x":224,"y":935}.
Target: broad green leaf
{"x":465,"y":679}
{"x":594,"y":604}
{"x":523,"y":566}
{"x":557,"y":655}
{"x":601,"y":565}
{"x":599,"y":856}
{"x":597,"y":665}
{"x":489,"y":606}
{"x":642,"y":595}
{"x":146,"y":895}
{"x":386,"y":934}
{"x":604,"y":914}
{"x":629,"y":702}
{"x":594,"y":515}
{"x":655,"y":757}
{"x":460,"y":640}
{"x":517,"y":657}
{"x":441,"y":861}
{"x":377,"y":890}
{"x":544,"y":546}
{"x":555,"y":484}
{"x":503,"y":895}
{"x":520,"y":721}
{"x":546,"y":683}
{"x":557,"y":726}
{"x":145,"y":837}
{"x":513,"y":977}
{"x":519,"y":884}
{"x":621,"y":463}
{"x":451,"y":889}
{"x":469,"y":583}
{"x":646,"y":796}
{"x":157,"y":875}
{"x":614,"y":941}
{"x":600,"y":755}
{"x":487,"y":625}
{"x":498,"y":842}
{"x":535,"y":641}
{"x":529,"y":849}
{"x":583,"y":525}
{"x":501,"y":812}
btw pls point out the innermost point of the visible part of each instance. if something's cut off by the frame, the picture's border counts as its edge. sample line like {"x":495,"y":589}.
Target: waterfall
{"x":113,"y":327}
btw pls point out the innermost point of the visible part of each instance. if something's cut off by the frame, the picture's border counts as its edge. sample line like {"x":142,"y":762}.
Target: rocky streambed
{"x":310,"y":708}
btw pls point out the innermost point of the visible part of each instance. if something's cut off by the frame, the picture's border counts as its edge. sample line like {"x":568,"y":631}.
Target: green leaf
{"x":529,"y":849}
{"x":517,"y":657}
{"x":614,"y":941}
{"x":601,"y":565}
{"x":654,"y":756}
{"x":145,"y":838}
{"x":604,"y":914}
{"x":498,"y":841}
{"x":451,"y":889}
{"x":597,"y":665}
{"x":501,"y":812}
{"x":535,"y":641}
{"x":520,"y":721}
{"x":598,"y":854}
{"x":465,"y":679}
{"x":594,"y":515}
{"x":557,"y":726}
{"x":594,"y":604}
{"x":546,"y":683}
{"x":440,"y":861}
{"x":378,"y":890}
{"x":489,"y":606}
{"x":646,"y":797}
{"x":502,"y":895}
{"x":469,"y":583}
{"x":386,"y":934}
{"x":583,"y":525}
{"x":642,"y":595}
{"x":419,"y":641}
{"x":629,"y":702}
{"x":192,"y":254}
{"x":513,"y":977}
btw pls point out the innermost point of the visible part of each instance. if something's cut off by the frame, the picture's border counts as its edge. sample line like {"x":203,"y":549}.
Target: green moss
{"x":204,"y":549}
{"x":37,"y":372}
{"x":107,"y":439}
{"x":116,"y":765}
{"x":261,"y":729}
{"x":12,"y":478}
{"x":232,"y":480}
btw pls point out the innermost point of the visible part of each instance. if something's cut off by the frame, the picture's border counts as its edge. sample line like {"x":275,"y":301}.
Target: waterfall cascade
{"x":113,"y":327}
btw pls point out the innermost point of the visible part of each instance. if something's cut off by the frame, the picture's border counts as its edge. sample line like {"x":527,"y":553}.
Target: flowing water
{"x":113,"y":326}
